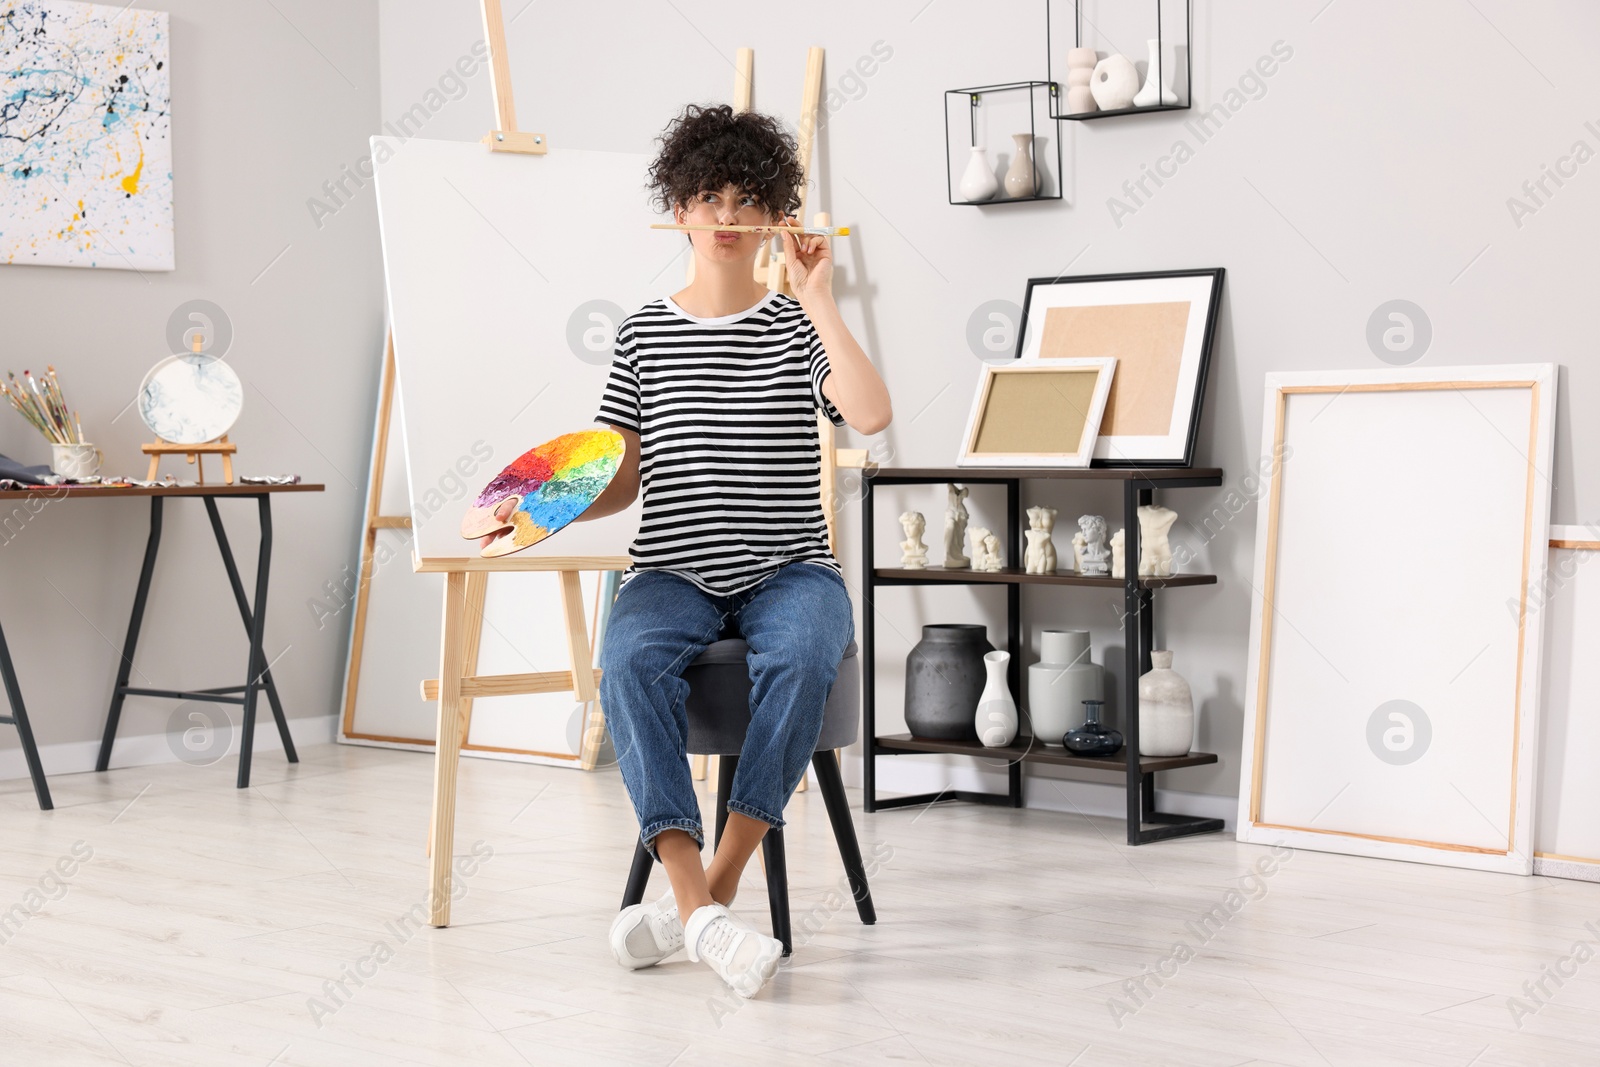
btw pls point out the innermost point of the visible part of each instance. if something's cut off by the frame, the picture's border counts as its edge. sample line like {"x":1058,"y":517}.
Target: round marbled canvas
{"x":190,"y":399}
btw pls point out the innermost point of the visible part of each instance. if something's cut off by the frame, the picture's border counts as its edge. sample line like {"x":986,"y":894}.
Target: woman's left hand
{"x":810,"y":263}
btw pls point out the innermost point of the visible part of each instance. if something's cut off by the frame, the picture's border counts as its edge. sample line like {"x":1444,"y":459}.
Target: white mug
{"x":76,"y":461}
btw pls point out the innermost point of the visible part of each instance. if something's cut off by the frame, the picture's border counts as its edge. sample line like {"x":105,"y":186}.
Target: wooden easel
{"x":772,"y":271}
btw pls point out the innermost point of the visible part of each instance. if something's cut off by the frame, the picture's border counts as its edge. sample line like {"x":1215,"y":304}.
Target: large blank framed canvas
{"x":1394,"y":660}
{"x":1035,"y":414}
{"x":1567,"y":826}
{"x":1159,"y":327}
{"x":507,"y":278}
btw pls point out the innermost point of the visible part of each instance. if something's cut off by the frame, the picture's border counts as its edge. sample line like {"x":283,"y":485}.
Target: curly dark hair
{"x":707,"y":148}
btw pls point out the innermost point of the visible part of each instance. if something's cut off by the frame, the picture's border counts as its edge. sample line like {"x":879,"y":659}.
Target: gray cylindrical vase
{"x":945,"y":676}
{"x":1059,"y":683}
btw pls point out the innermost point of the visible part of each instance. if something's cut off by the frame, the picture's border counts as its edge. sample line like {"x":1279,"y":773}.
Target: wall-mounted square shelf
{"x":986,"y":107}
{"x":1177,"y":48}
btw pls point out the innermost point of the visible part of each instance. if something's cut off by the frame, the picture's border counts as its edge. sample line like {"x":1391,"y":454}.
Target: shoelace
{"x":720,"y":936}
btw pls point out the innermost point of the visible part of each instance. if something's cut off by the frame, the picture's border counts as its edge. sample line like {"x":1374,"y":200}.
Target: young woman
{"x":716,"y":390}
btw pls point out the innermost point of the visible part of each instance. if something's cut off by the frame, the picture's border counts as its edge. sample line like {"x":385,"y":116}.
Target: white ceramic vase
{"x":1166,"y":709}
{"x":1059,"y":683}
{"x":1020,"y":180}
{"x":1159,"y":76}
{"x":996,"y":719}
{"x":979,"y":182}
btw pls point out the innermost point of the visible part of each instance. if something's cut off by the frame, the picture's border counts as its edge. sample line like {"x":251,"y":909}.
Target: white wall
{"x":268,"y":102}
{"x":1375,"y":163}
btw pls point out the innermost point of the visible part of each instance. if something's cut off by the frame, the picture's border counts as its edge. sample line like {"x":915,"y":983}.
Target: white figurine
{"x":985,"y":550}
{"x":991,"y":552}
{"x":1155,"y":554}
{"x":1040,"y":557}
{"x":1119,"y":541}
{"x":1096,"y":557}
{"x":955,"y":527}
{"x":1077,"y":551}
{"x":913,"y":553}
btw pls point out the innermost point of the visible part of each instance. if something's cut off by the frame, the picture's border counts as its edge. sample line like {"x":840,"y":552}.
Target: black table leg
{"x":126,"y":667}
{"x":258,"y":625}
{"x":19,"y":718}
{"x":245,"y":614}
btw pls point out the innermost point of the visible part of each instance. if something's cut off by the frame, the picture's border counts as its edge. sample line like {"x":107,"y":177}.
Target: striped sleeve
{"x":619,"y":404}
{"x":819,"y":373}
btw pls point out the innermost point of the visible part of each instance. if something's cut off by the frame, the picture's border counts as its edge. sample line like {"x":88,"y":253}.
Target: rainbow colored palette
{"x":551,"y":485}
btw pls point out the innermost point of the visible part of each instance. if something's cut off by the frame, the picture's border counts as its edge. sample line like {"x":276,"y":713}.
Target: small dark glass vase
{"x":1092,"y":739}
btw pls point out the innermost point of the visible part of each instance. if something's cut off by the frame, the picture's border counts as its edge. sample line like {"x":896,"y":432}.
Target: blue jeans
{"x":797,"y":624}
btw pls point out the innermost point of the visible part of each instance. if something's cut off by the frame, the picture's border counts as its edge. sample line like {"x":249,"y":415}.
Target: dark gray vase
{"x":944,"y":681}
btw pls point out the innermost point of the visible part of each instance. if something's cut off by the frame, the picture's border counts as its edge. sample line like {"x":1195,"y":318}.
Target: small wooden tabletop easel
{"x":220,"y":447}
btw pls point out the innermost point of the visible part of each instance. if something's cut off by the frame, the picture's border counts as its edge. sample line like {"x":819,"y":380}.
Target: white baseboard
{"x":1560,"y":868}
{"x":1040,"y":788}
{"x":143,"y":750}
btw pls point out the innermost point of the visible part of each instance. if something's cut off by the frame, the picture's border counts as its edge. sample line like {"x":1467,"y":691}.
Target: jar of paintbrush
{"x":41,"y":402}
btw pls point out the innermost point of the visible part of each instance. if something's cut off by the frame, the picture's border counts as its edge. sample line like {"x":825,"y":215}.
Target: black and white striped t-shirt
{"x":730,"y":463}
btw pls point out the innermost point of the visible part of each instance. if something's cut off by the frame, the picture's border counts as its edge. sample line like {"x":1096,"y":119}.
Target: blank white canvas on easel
{"x":497,"y":265}
{"x":1396,"y":540}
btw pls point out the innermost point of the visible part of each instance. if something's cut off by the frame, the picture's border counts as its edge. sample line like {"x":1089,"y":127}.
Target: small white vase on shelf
{"x":1159,"y":76}
{"x":1020,"y":180}
{"x":979,"y":183}
{"x":1059,"y":683}
{"x":996,"y":719}
{"x":1166,"y":709}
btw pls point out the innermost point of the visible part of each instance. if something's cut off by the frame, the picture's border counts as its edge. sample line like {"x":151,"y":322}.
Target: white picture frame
{"x":1345,"y":623}
{"x":1014,"y":402}
{"x":1160,"y":325}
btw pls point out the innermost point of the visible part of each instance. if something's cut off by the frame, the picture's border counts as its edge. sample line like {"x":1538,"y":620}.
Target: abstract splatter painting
{"x":543,"y":490}
{"x":85,"y":136}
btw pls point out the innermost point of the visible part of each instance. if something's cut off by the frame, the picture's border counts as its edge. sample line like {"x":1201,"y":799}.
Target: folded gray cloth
{"x":11,"y":470}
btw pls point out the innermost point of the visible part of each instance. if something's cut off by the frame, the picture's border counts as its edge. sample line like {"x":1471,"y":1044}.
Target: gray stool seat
{"x":719,"y":700}
{"x":718,"y":707}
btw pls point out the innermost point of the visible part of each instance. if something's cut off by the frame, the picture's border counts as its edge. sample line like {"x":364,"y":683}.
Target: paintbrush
{"x":815,"y":231}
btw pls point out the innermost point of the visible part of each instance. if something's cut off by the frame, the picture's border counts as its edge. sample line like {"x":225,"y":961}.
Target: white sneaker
{"x":741,"y":955}
{"x":645,"y":934}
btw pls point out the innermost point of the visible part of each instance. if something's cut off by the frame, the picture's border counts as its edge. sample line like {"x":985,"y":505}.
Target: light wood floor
{"x":209,"y":923}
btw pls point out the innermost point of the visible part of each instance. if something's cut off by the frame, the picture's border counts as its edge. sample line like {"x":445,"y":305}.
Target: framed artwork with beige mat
{"x":1392,"y":690}
{"x":1566,"y":836}
{"x":1159,"y":327}
{"x":1032,"y":413}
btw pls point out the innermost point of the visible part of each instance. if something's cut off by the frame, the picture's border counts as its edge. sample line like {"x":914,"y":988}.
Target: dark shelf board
{"x":1158,"y":476}
{"x":1026,"y":750}
{"x":1002,"y":200}
{"x":1087,"y":116}
{"x":1017,"y":576}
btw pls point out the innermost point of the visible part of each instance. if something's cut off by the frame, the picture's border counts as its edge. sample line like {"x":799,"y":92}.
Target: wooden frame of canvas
{"x":1539,"y":380}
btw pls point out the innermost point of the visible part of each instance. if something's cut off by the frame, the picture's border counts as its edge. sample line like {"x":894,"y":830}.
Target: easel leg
{"x":19,"y":717}
{"x":258,"y":625}
{"x":246,"y":614}
{"x":447,"y":748}
{"x":125,"y":668}
{"x":583,"y":687}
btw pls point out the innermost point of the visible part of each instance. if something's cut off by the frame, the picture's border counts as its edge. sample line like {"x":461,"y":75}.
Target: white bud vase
{"x":1166,"y":709}
{"x":996,"y":719}
{"x":1059,"y":683}
{"x":1159,"y":76}
{"x":979,"y":183}
{"x":1020,"y":180}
